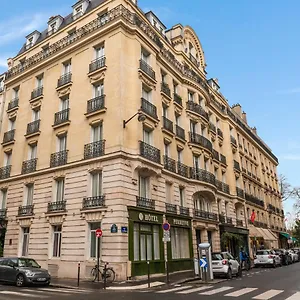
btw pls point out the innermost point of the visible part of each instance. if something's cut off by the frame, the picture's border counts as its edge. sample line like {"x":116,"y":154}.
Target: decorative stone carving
{"x":97,"y":77}
{"x":64,"y":91}
{"x":149,"y":82}
{"x":56,"y":219}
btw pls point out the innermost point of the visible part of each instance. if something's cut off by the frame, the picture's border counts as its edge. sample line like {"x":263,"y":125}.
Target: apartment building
{"x":111,"y":123}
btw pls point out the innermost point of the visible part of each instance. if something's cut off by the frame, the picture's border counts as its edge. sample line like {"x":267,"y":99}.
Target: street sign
{"x":99,"y":233}
{"x":166,"y":226}
{"x":124,"y":229}
{"x":114,"y":228}
{"x":166,"y":237}
{"x":203,"y":263}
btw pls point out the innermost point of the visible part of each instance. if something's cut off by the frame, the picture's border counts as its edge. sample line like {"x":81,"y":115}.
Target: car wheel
{"x":274,"y":264}
{"x":229,"y":274}
{"x":20,"y":280}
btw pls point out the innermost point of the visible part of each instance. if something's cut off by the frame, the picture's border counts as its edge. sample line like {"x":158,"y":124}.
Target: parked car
{"x":285,"y":258}
{"x":266,"y":257}
{"x":297,"y":251}
{"x":224,"y":264}
{"x":23,"y":271}
{"x":294,"y":255}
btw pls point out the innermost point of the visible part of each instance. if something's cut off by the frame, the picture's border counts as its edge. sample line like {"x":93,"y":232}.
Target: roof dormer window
{"x":54,"y":24}
{"x":79,"y":8}
{"x":78,"y":12}
{"x":29,"y":43}
{"x":31,"y":39}
{"x":52,"y":29}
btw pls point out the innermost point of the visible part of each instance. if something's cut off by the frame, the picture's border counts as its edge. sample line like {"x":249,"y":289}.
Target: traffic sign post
{"x":166,"y":227}
{"x":203,"y":263}
{"x":98,"y":236}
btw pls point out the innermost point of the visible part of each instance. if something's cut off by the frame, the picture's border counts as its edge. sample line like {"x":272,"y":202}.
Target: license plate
{"x":41,"y":279}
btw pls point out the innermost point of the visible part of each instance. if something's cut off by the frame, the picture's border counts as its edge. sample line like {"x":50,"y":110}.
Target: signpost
{"x":203,"y":263}
{"x":166,"y":227}
{"x":98,"y":236}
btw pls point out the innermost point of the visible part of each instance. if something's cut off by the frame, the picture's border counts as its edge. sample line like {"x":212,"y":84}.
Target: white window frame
{"x":98,"y":90}
{"x":56,"y":241}
{"x":181,"y":196}
{"x":3,"y":198}
{"x":147,"y":94}
{"x":96,"y":133}
{"x":59,"y":189}
{"x":92,"y":232}
{"x":29,"y":194}
{"x":99,"y":52}
{"x":25,"y":236}
{"x":144,"y":187}
{"x":7,"y":159}
{"x":96,"y":184}
{"x":147,"y":136}
{"x":32,"y":151}
{"x":61,"y":143}
{"x":67,"y":67}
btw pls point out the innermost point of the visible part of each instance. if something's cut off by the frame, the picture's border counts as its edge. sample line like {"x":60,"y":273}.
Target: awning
{"x":267,"y":234}
{"x":286,"y":235}
{"x":294,"y":239}
{"x":253,"y":232}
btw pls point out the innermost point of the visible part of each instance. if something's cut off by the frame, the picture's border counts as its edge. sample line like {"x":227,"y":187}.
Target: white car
{"x":224,"y":264}
{"x":294,"y":255}
{"x":266,"y":257}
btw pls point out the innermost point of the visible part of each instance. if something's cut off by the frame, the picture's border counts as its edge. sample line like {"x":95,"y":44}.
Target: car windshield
{"x":28,"y":263}
{"x":217,"y":256}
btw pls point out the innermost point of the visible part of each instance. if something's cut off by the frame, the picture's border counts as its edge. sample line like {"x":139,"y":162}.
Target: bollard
{"x":167,"y":267}
{"x":148,"y":270}
{"x":104,"y":273}
{"x":78,"y":274}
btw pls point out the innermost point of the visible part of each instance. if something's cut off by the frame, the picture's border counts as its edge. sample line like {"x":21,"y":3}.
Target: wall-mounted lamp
{"x":141,"y":118}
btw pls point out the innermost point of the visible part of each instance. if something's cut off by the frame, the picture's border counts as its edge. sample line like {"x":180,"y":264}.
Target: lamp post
{"x":141,"y":118}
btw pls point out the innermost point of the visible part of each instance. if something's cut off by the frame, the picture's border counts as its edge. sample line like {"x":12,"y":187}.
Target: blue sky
{"x":252,"y":47}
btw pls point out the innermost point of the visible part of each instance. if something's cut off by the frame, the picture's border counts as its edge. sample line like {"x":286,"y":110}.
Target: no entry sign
{"x":99,"y":233}
{"x":166,"y":226}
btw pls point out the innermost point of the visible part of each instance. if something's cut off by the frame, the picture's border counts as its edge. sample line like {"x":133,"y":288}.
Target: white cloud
{"x":290,"y":157}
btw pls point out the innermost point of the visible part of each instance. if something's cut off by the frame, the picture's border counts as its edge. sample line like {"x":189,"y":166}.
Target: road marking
{"x":241,"y":292}
{"x":135,"y":287}
{"x":174,"y":289}
{"x":59,"y":290}
{"x":20,"y":294}
{"x":294,"y":297}
{"x":198,"y":289}
{"x":216,"y":291}
{"x":268,"y":295}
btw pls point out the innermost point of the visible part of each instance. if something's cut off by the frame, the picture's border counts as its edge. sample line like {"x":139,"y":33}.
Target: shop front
{"x":145,"y":241}
{"x":180,"y":248}
{"x":283,"y":240}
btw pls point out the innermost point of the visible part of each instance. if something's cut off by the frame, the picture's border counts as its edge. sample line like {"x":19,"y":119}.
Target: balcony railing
{"x":240,"y":193}
{"x":229,"y":220}
{"x":220,"y":132}
{"x":177,"y":99}
{"x":194,"y":60}
{"x":169,"y":164}
{"x":271,"y":208}
{"x":201,"y":140}
{"x":239,"y":223}
{"x":94,"y":149}
{"x":61,"y":116}
{"x":147,"y":69}
{"x":93,"y":202}
{"x":223,"y":159}
{"x":180,"y":132}
{"x":190,"y":105}
{"x":202,"y":175}
{"x":165,"y":89}
{"x":148,"y":108}
{"x":13,"y":104}
{"x":212,"y":127}
{"x":184,"y":211}
{"x":58,"y":158}
{"x":205,"y":215}
{"x":171,"y":208}
{"x":167,"y":124}
{"x":222,"y":219}
{"x":254,"y":200}
{"x":5,"y":172}
{"x":25,"y":210}
{"x":97,"y":64}
{"x":216,"y":155}
{"x":9,"y":136}
{"x":64,"y":79}
{"x":233,"y":140}
{"x":33,"y":127}
{"x":222,"y":187}
{"x":57,"y":206}
{"x":3,"y":212}
{"x":145,"y":203}
{"x":182,"y":170}
{"x":29,"y":166}
{"x":37,"y":92}
{"x":149,"y":152}
{"x":236,"y":165}
{"x":96,"y":104}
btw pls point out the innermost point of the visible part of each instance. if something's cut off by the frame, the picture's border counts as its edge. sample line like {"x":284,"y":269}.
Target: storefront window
{"x":180,"y":243}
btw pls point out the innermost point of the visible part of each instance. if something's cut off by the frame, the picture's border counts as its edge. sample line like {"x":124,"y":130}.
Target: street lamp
{"x":141,"y":118}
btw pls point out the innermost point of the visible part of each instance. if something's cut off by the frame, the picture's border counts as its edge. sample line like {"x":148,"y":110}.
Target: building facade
{"x":111,"y":123}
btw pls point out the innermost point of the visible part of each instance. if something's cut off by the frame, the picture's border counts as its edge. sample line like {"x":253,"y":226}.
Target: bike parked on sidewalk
{"x":104,"y":273}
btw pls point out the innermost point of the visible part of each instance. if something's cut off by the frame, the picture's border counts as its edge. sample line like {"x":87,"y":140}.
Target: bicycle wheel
{"x":109,"y":274}
{"x":94,"y":274}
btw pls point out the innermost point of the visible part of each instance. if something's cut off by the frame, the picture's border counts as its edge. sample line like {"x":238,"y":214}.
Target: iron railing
{"x":212,"y":127}
{"x":182,"y":170}
{"x":26,"y":210}
{"x":97,"y":64}
{"x":184,"y":211}
{"x":149,"y":152}
{"x":240,"y":193}
{"x":236,"y":165}
{"x":239,"y":223}
{"x":233,"y":140}
{"x":177,"y":99}
{"x":222,"y":187}
{"x":58,"y":158}
{"x":165,"y":89}
{"x":180,"y":132}
{"x":61,"y":116}
{"x":201,"y":214}
{"x":29,"y":166}
{"x":5,"y":172}
{"x":145,"y":203}
{"x":149,"y":108}
{"x":200,"y":140}
{"x":171,"y":208}
{"x":167,"y":124}
{"x":57,"y":206}
{"x":93,"y":202}
{"x":33,"y":127}
{"x":254,"y":200}
{"x":169,"y":164}
{"x":9,"y":136}
{"x":190,"y":105}
{"x":147,"y":69}
{"x":216,"y":155}
{"x":96,"y":104}
{"x":64,"y":79}
{"x":94,"y":149}
{"x":37,"y":92}
{"x":13,"y":104}
{"x":220,"y":133}
{"x":3,"y":212}
{"x":202,"y":175}
{"x":223,"y":159}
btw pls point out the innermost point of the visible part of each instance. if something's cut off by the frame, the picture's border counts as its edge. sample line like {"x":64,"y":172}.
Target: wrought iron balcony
{"x":96,"y":104}
{"x":145,"y":203}
{"x":202,"y":175}
{"x":167,"y":124}
{"x":236,"y":165}
{"x":223,"y":159}
{"x":271,"y":208}
{"x":216,"y":155}
{"x":93,"y":202}
{"x":61,"y":116}
{"x":58,"y":158}
{"x":198,"y":139}
{"x":64,"y":79}
{"x":57,"y":206}
{"x":33,"y":127}
{"x":37,"y":92}
{"x":165,"y":89}
{"x":222,"y":187}
{"x":180,"y":132}
{"x":13,"y":104}
{"x":177,"y":99}
{"x":169,"y":164}
{"x":97,"y":64}
{"x":194,"y":60}
{"x":3,"y":212}
{"x":220,"y":133}
{"x":148,"y":108}
{"x":147,"y":69}
{"x":5,"y":172}
{"x":254,"y":200}
{"x":184,"y":211}
{"x":233,"y":140}
{"x":239,"y":223}
{"x":182,"y":170}
{"x":9,"y":136}
{"x":240,"y":193}
{"x":171,"y":208}
{"x":26,"y":210}
{"x":212,"y":127}
{"x":192,"y":106}
{"x":149,"y":152}
{"x":201,"y":214}
{"x":29,"y":166}
{"x":94,"y":149}
{"x":222,"y":219}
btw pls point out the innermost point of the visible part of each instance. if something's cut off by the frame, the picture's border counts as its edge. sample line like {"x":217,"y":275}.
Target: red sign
{"x":166,"y":226}
{"x":98,"y":233}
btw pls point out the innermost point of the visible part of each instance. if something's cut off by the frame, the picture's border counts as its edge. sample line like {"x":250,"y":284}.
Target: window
{"x":96,"y":184}
{"x":93,"y":240}
{"x":144,"y":187}
{"x":175,"y":87}
{"x":66,"y":68}
{"x":35,"y":115}
{"x":52,"y":28}
{"x":96,"y":133}
{"x":166,"y":149}
{"x":179,"y":155}
{"x":193,"y":127}
{"x":29,"y":194}
{"x":99,"y":52}
{"x":196,"y":162}
{"x":64,"y":103}
{"x":201,"y":101}
{"x":224,"y":177}
{"x":29,"y":42}
{"x":98,"y":90}
{"x":62,"y":143}
{"x":32,"y":151}
{"x":15,"y":93}
{"x":216,"y":173}
{"x":177,"y":120}
{"x":147,"y":136}
{"x":77,"y":12}
{"x":165,"y":112}
{"x":190,"y":96}
{"x":163,"y":76}
{"x":206,"y":164}
{"x":3,"y":199}
{"x":180,"y":245}
{"x":59,"y":189}
{"x":7,"y":159}
{"x":168,"y":192}
{"x":181,"y":196}
{"x":39,"y":81}
{"x":11,"y":124}
{"x":25,"y":241}
{"x":56,"y":240}
{"x":147,"y":93}
{"x":71,"y":34}
{"x":145,"y":55}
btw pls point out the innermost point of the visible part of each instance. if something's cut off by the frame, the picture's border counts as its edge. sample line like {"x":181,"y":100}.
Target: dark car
{"x":22,"y":271}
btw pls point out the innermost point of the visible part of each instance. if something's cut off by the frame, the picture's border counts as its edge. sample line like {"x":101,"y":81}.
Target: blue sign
{"x":124,"y":229}
{"x":203,"y":263}
{"x":166,"y":226}
{"x":114,"y":228}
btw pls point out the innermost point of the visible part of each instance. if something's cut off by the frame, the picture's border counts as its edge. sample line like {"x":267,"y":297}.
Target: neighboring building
{"x":72,"y":165}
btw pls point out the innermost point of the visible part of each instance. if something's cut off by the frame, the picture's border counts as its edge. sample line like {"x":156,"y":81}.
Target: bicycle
{"x":106,"y":273}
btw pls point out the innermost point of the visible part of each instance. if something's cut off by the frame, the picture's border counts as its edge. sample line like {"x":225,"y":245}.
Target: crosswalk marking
{"x":216,"y":291}
{"x":241,"y":292}
{"x":20,"y":294}
{"x":198,"y":289}
{"x":72,"y":291}
{"x":294,"y":297}
{"x":174,"y":289}
{"x":268,"y":295}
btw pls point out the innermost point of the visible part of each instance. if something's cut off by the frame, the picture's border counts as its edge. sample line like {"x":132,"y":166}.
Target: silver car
{"x":223,"y":263}
{"x":23,"y":271}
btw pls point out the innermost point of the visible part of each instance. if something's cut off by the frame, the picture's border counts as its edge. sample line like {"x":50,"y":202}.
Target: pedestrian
{"x":243,"y":257}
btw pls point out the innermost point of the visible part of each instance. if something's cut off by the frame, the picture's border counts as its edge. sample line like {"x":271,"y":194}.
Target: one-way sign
{"x":203,"y":263}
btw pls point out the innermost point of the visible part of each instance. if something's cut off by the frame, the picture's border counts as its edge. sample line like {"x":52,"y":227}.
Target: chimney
{"x":254,"y":130}
{"x":244,"y":117}
{"x":237,"y":109}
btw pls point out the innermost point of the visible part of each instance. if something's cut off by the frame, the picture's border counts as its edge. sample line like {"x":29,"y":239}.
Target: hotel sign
{"x":142,"y":216}
{"x":179,"y":222}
